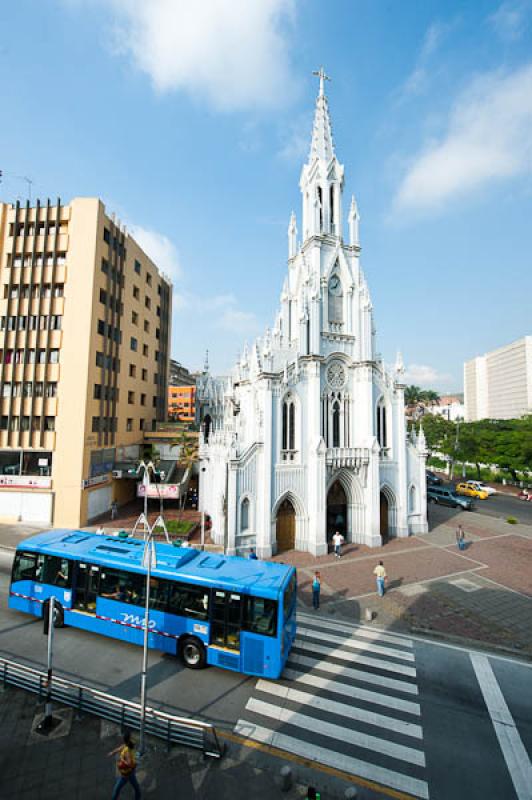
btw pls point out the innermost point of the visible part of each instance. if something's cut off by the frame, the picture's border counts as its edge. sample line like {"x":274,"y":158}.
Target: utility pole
{"x":48,"y":723}
{"x":149,"y":561}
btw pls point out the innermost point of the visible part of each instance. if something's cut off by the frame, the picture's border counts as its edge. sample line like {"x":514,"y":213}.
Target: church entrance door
{"x":286,"y":527}
{"x":385,"y":532}
{"x":336,"y":511}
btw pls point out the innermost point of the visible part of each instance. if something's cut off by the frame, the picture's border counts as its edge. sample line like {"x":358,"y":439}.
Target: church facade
{"x":307,"y":436}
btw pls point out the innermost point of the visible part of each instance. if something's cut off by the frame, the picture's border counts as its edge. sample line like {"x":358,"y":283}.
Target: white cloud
{"x":234,"y":53}
{"x":489,"y":135}
{"x":222,"y":311}
{"x":160,"y":249}
{"x":509,"y":20}
{"x":419,"y":79}
{"x":237,"y":321}
{"x":295,"y":139}
{"x":424,"y":376}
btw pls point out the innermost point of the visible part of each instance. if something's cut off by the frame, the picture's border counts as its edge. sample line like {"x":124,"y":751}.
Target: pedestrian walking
{"x":338,"y":541}
{"x":252,"y":555}
{"x":126,"y":766}
{"x":316,"y":588}
{"x":114,"y":509}
{"x":460,"y":538}
{"x":381,"y":576}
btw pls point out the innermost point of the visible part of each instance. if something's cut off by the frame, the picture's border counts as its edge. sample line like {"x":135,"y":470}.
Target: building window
{"x":134,"y":344}
{"x":141,"y":424}
{"x":99,"y":359}
{"x":382,"y":426}
{"x":103,"y":297}
{"x":288,"y":424}
{"x":136,"y":292}
{"x":24,"y":423}
{"x":146,"y":326}
{"x":107,"y":235}
{"x":148,"y":279}
{"x":137,"y":267}
{"x":144,"y":374}
{"x":145,"y":350}
{"x":244,"y":515}
{"x":147,"y":302}
{"x":105,"y":266}
{"x":49,"y":423}
{"x":101,"y":327}
{"x":143,"y":399}
{"x":97,"y":391}
{"x":134,"y":318}
{"x":336,"y":424}
{"x":132,"y":370}
{"x":96,"y":424}
{"x":129,"y":424}
{"x":51,"y":389}
{"x":54,"y":357}
{"x":131,"y":398}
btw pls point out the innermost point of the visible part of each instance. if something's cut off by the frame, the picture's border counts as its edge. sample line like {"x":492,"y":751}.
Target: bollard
{"x":369,"y":614}
{"x":286,"y":778}
{"x":351,"y":793}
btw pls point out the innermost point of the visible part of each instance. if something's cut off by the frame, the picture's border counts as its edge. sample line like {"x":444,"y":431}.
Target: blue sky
{"x":192,"y":122}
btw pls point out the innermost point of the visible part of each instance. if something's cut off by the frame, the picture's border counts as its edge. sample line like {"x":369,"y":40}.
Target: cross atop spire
{"x":323,"y":77}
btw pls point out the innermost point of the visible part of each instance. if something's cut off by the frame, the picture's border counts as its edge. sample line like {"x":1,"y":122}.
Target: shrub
{"x":180,"y":526}
{"x":512,"y":520}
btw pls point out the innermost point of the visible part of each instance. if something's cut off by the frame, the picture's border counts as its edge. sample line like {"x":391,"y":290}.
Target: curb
{"x":464,"y":641}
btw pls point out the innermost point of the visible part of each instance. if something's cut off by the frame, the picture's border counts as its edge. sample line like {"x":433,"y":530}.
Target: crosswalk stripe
{"x":355,"y":674}
{"x":341,"y":709}
{"x":360,"y":630}
{"x":354,"y":766}
{"x":398,"y":751}
{"x":356,"y":644}
{"x":338,"y":687}
{"x":356,"y":658}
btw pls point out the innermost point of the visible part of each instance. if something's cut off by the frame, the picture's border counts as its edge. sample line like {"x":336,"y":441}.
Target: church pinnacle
{"x":322,"y":145}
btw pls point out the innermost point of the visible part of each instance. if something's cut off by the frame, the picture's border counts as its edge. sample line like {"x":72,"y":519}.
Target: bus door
{"x":87,"y":583}
{"x":226,"y":619}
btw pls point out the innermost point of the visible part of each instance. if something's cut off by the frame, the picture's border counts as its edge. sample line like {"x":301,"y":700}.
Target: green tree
{"x":412,"y":395}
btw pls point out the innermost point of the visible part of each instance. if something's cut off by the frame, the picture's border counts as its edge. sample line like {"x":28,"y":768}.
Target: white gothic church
{"x":308,"y":436}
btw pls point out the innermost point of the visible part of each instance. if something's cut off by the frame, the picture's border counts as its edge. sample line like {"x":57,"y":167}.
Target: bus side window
{"x":57,"y":572}
{"x":260,"y":616}
{"x":24,"y":567}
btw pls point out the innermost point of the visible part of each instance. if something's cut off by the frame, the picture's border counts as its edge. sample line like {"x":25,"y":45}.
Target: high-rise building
{"x":84,"y":334}
{"x":498,"y":385}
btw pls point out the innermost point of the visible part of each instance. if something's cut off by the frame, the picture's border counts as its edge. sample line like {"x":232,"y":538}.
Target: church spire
{"x":322,"y":177}
{"x":322,"y":145}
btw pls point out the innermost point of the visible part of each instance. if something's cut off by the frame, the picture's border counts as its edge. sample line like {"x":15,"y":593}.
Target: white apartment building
{"x":498,"y":385}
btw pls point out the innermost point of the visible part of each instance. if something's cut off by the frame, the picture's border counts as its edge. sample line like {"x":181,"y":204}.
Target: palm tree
{"x":431,"y":397}
{"x":188,"y":455}
{"x":413,"y":395}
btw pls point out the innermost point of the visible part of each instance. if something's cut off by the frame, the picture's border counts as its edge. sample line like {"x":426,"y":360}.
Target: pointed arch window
{"x":331,"y":207}
{"x":288,"y":436}
{"x":336,"y":424}
{"x":412,"y":500}
{"x":320,"y":207}
{"x":244,"y":515}
{"x":382,"y":424}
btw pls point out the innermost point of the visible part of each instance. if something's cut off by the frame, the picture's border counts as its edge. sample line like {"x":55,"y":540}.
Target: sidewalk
{"x":482,"y":594}
{"x":72,"y":762}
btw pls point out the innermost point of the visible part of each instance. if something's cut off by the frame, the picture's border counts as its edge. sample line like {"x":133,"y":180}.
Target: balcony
{"x":350,"y":457}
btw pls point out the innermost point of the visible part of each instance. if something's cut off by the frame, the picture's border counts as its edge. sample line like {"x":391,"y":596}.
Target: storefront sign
{"x":168,"y":491}
{"x":94,"y":481}
{"x":25,"y":482}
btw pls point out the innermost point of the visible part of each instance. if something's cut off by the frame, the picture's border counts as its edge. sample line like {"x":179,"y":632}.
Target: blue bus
{"x":208,"y":608}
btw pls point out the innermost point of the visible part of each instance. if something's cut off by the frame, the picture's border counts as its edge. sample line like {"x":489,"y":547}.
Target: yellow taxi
{"x":466,"y":488}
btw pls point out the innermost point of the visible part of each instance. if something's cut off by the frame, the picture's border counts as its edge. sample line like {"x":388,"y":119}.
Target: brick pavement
{"x":483,"y":593}
{"x":73,"y":763}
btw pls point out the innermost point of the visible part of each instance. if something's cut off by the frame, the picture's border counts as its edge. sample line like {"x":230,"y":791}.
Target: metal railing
{"x":174,"y":730}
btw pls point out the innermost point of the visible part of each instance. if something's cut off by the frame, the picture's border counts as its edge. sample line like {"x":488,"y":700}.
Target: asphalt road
{"x":423,"y":719}
{"x":503,"y":506}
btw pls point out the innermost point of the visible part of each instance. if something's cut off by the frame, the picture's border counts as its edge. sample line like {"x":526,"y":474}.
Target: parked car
{"x":470,"y":491}
{"x":432,"y":478}
{"x":525,"y":494}
{"x":446,"y":496}
{"x":482,"y":487}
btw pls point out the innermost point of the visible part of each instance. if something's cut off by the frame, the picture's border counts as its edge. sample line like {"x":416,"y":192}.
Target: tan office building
{"x":84,"y":335}
{"x":498,"y":385}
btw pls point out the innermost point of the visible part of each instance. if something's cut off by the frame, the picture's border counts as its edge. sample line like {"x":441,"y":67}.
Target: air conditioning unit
{"x":117,"y":473}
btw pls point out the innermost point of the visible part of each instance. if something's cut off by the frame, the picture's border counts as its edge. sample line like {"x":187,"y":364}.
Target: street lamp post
{"x":149,"y":561}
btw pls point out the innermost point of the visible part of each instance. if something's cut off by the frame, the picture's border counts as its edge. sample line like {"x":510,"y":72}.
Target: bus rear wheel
{"x":192,"y":653}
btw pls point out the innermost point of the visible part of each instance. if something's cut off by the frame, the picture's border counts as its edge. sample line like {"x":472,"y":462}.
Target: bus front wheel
{"x":192,"y":653}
